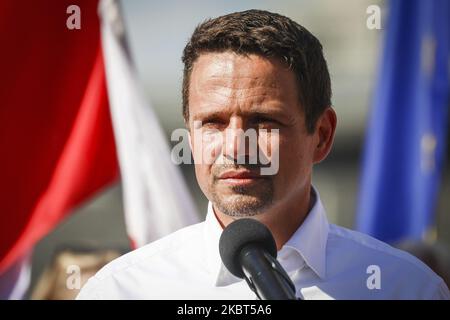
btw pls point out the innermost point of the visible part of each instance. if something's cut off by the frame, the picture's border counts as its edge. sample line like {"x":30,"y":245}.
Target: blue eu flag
{"x":406,"y":137}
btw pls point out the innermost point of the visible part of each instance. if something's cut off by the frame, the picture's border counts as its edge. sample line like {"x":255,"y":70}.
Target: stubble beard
{"x":244,"y":201}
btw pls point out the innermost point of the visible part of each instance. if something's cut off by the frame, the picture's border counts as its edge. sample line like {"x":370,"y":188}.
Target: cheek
{"x":296,"y":157}
{"x":202,"y":174}
{"x":269,"y":145}
{"x":206,"y":147}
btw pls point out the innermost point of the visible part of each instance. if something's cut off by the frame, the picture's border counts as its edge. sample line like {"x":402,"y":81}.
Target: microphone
{"x":248,"y":250}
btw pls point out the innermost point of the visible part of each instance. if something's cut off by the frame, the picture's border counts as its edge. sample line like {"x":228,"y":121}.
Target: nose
{"x":240,"y":142}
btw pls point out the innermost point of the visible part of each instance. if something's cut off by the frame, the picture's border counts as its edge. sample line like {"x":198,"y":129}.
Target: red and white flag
{"x":57,"y":140}
{"x":157,"y":201}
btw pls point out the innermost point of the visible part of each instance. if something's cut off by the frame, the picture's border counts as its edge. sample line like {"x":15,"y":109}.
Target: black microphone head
{"x":240,"y":233}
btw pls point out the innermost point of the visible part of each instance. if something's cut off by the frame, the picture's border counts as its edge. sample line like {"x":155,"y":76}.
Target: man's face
{"x":231,"y":94}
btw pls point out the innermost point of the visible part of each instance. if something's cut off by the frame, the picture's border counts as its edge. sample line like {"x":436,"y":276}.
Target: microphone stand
{"x":269,"y":280}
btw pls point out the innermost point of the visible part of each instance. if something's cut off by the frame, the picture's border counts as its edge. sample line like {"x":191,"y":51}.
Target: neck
{"x":282,"y":219}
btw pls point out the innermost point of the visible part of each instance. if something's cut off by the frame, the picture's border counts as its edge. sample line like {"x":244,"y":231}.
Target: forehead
{"x":228,"y":80}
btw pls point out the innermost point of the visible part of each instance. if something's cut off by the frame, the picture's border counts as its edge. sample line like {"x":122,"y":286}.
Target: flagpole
{"x":112,"y":11}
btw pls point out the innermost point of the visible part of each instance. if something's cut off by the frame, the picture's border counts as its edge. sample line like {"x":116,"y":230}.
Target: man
{"x":262,"y":72}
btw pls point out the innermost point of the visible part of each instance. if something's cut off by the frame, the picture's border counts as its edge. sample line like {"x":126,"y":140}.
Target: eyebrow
{"x":218,"y":114}
{"x":209,"y":114}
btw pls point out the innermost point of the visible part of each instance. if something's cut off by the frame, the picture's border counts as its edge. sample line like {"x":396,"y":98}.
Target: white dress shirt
{"x":323,"y":260}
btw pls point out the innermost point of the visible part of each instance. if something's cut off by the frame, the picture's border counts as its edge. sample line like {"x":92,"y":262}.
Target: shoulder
{"x":369,"y":249}
{"x":401,"y":272}
{"x":167,"y":246}
{"x":151,"y":257}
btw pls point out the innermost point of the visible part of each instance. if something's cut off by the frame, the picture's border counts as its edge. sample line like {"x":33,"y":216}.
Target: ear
{"x":190,"y":141}
{"x":325,"y":130}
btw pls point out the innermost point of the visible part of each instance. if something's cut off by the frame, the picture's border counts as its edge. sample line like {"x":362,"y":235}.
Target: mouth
{"x":241,"y":177}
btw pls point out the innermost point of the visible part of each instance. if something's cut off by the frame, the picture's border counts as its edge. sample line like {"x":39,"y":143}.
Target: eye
{"x":213,"y":122}
{"x":265,"y":121}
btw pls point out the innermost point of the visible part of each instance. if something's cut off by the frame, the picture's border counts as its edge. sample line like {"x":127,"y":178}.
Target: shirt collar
{"x":310,"y":239}
{"x":308,"y":242}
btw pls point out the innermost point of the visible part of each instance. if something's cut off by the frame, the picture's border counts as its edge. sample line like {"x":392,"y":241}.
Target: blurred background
{"x":157,"y":32}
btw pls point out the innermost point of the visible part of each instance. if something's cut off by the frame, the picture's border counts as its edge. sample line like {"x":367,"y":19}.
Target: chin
{"x":239,"y":205}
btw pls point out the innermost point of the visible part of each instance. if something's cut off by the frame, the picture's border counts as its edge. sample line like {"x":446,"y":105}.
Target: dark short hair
{"x":269,"y":35}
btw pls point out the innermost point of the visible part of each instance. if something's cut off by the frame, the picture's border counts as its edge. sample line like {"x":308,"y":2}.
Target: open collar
{"x":308,"y":242}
